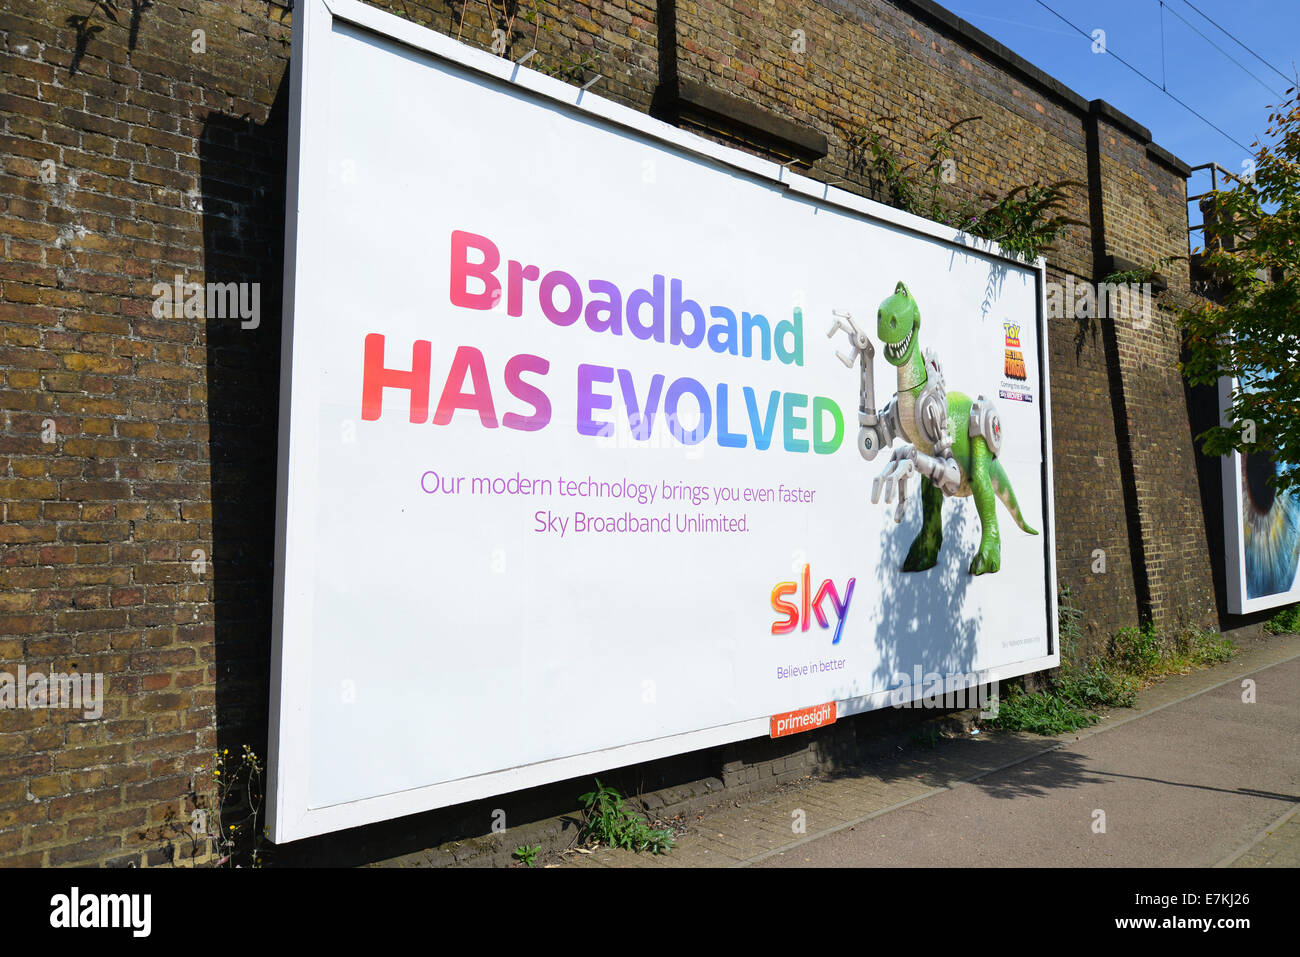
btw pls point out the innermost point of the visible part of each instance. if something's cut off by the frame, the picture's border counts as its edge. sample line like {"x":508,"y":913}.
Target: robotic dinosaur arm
{"x":941,"y":469}
{"x":876,"y":430}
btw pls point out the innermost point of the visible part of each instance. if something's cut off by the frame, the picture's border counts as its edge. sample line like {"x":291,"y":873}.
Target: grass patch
{"x":1089,"y":681}
{"x":1097,"y":684}
{"x":1285,"y":622}
{"x":1137,"y":650}
{"x":1042,"y":712}
{"x":1196,"y":648}
{"x":1084,"y":683}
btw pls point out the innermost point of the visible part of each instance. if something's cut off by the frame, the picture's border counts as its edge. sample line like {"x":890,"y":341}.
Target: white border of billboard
{"x":289,"y":815}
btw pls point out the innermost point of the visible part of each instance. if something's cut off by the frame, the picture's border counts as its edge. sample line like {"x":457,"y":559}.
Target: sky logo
{"x":810,"y":605}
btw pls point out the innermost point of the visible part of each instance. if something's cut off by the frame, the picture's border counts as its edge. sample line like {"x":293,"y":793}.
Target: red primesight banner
{"x":805,"y":719}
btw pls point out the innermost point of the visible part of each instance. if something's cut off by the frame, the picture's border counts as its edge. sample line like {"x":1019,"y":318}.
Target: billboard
{"x":1261,"y":527}
{"x":602,"y":442}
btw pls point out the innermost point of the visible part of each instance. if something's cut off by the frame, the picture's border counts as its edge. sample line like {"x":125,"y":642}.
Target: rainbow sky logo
{"x":801,"y":615}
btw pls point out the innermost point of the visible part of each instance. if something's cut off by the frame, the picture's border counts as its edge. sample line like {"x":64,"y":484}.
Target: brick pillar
{"x":1138,"y":210}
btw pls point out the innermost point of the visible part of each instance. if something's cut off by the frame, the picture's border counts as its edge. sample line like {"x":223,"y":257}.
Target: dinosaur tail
{"x":1002,"y":489}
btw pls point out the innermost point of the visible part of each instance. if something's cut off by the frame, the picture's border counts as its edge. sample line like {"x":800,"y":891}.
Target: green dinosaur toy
{"x":947,"y":438}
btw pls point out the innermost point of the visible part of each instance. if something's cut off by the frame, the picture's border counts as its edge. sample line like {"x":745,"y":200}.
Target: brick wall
{"x":1144,"y":204}
{"x":137,"y":467}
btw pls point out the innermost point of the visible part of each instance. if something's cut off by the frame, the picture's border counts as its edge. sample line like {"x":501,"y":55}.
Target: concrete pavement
{"x":1193,"y":776}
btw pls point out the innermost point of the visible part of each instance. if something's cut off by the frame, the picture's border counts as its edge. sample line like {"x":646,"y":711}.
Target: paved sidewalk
{"x":1277,"y":846}
{"x":1191,"y":776}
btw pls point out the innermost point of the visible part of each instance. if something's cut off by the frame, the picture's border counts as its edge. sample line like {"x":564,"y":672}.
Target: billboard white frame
{"x":289,"y":815}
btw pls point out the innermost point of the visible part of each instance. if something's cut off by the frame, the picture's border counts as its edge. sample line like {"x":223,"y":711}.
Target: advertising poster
{"x":1261,"y":527}
{"x":577,"y":410}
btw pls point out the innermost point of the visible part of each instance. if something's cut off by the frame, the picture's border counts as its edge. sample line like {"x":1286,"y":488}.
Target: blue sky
{"x":1192,"y":69}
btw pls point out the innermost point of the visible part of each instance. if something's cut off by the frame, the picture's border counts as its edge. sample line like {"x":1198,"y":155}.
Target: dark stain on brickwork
{"x":242,"y":166}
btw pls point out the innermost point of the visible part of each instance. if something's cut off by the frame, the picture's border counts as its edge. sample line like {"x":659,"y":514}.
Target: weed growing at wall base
{"x":1285,"y":622}
{"x":1137,"y":649}
{"x":1064,"y":707}
{"x":1136,"y":657}
{"x":609,"y":821}
{"x":1097,"y":684}
{"x":526,"y":854}
{"x":1041,"y":712}
{"x":230,"y":811}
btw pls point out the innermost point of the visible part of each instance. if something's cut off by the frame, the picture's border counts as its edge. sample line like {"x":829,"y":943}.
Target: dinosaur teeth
{"x":896,"y":349}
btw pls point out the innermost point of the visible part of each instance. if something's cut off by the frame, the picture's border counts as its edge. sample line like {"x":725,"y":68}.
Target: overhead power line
{"x":1109,"y":52}
{"x":1164,"y":74}
{"x":1287,"y":79}
{"x":1163,"y":5}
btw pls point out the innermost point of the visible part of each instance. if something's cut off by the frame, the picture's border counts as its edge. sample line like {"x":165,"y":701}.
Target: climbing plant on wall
{"x":1026,"y":220}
